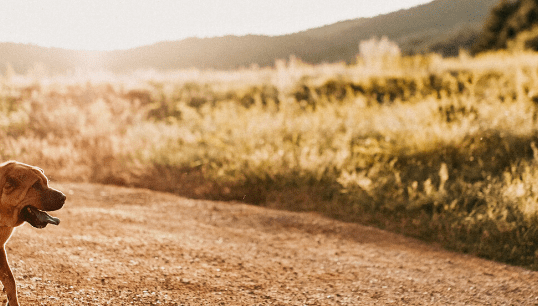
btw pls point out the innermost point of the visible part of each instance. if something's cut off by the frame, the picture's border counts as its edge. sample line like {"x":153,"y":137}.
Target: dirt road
{"x":119,"y":246}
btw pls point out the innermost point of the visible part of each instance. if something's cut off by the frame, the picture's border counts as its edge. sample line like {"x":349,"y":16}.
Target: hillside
{"x":442,"y":26}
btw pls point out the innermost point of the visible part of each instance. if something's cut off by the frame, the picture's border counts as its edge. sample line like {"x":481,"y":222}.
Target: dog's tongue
{"x":37,"y":218}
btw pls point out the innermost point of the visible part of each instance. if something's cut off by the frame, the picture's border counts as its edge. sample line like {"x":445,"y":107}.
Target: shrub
{"x":441,"y":149}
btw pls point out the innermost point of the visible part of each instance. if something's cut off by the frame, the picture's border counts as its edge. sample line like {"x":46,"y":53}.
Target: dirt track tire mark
{"x":118,"y":246}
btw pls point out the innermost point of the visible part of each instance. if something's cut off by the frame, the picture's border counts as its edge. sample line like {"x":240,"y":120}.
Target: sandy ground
{"x":120,"y":246}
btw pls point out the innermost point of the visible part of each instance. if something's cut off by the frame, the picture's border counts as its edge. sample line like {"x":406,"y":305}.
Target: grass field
{"x":441,"y":149}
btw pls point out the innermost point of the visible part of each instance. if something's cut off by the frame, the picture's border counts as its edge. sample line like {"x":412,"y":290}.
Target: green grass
{"x":443,"y":150}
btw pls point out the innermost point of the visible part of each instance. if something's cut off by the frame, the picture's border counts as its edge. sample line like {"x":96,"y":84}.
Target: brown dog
{"x":25,"y":196}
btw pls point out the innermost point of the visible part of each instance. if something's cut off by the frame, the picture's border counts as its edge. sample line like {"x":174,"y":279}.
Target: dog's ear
{"x":4,"y":168}
{"x":8,"y":215}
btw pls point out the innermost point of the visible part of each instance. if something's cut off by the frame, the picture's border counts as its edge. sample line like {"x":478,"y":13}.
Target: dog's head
{"x":25,"y":196}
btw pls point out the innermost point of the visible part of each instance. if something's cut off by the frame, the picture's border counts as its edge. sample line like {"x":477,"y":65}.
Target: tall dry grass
{"x":442,"y":149}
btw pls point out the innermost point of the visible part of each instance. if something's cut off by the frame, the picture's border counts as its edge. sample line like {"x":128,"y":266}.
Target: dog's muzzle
{"x":51,"y":200}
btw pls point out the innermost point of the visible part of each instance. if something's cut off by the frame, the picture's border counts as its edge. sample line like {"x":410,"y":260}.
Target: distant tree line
{"x":510,"y":23}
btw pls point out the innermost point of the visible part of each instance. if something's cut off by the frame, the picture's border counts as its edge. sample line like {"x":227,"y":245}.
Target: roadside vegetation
{"x":441,"y":149}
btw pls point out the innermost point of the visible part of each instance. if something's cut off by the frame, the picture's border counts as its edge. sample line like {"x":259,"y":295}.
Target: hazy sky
{"x":121,"y":24}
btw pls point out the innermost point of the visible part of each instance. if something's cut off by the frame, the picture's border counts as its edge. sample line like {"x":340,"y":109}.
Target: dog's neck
{"x":5,"y":233}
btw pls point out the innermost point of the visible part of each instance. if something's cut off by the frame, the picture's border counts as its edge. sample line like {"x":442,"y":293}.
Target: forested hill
{"x":442,"y":26}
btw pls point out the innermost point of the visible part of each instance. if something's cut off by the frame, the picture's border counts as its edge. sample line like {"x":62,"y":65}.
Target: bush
{"x":441,"y":149}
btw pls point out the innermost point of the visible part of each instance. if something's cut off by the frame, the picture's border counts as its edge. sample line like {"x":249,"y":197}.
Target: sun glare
{"x":119,"y":24}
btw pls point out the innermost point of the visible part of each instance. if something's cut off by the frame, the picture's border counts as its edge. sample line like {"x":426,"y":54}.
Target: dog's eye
{"x":37,"y":186}
{"x":12,"y":182}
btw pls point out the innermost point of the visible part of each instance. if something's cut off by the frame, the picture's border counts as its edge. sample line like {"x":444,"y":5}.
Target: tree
{"x":506,"y":21}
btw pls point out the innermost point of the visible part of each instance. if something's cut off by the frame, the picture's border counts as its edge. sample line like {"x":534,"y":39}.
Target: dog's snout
{"x":53,"y":199}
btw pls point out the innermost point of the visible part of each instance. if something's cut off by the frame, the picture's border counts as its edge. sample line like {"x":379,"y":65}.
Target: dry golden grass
{"x":442,"y":149}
